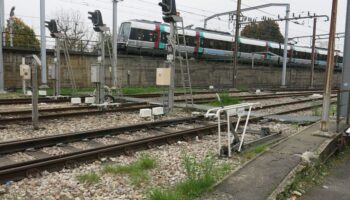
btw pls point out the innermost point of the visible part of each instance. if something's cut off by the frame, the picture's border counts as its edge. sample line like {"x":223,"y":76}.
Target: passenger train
{"x":146,"y":37}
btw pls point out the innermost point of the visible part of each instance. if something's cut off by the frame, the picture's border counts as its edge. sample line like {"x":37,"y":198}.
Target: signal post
{"x":98,"y":70}
{"x":171,"y":17}
{"x":54,"y":70}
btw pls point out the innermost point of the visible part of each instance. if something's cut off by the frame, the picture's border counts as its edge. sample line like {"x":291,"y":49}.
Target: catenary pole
{"x":312,"y":74}
{"x":329,"y":69}
{"x":43,"y":44}
{"x":2,"y":23}
{"x":285,"y":52}
{"x":236,"y":49}
{"x":115,"y":44}
{"x":346,"y":65}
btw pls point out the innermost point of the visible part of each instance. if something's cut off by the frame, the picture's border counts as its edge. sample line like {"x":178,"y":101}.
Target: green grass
{"x":226,"y":100}
{"x":137,"y":170}
{"x":243,"y":88}
{"x":200,"y":177}
{"x":139,"y":90}
{"x":254,"y":151}
{"x":89,"y":178}
{"x":11,"y":95}
{"x":317,"y":110}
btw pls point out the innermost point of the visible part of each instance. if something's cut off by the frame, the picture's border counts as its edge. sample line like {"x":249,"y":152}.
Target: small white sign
{"x":42,"y":93}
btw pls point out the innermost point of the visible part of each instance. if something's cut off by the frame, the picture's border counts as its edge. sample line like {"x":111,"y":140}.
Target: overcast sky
{"x":193,"y":11}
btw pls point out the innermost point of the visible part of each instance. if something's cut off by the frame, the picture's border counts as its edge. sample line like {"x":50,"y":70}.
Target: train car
{"x":216,"y":46}
{"x":151,"y":38}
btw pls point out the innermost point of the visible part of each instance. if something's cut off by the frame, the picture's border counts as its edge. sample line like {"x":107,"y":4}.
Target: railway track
{"x":29,"y":101}
{"x":155,"y":95}
{"x":252,"y":97}
{"x":52,"y":113}
{"x":17,"y":171}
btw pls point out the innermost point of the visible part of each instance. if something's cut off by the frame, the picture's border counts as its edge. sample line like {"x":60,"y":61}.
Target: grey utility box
{"x":52,"y":72}
{"x":95,"y":73}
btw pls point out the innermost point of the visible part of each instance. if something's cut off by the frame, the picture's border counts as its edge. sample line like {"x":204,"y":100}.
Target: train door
{"x":199,"y":43}
{"x":316,"y":57}
{"x":291,"y":55}
{"x":267,"y":55}
{"x":160,"y":37}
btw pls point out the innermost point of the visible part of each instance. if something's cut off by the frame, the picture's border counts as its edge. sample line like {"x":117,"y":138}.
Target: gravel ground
{"x":64,"y":184}
{"x":74,"y":124}
{"x":288,"y":107}
{"x":20,"y":157}
{"x":29,"y":106}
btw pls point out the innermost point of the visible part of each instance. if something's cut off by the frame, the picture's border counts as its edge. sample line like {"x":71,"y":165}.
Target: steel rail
{"x":74,"y":114}
{"x":40,"y":142}
{"x":22,"y":112}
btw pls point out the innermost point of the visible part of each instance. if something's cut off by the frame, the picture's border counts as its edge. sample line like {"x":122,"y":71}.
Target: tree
{"x":77,"y":34}
{"x":23,"y":35}
{"x":265,"y":30}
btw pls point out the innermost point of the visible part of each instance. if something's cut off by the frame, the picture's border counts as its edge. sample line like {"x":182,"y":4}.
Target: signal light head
{"x":96,"y":18}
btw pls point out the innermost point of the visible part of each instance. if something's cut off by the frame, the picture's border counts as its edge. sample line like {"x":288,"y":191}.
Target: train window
{"x":201,"y":42}
{"x":340,"y":59}
{"x":164,"y":37}
{"x":142,"y":35}
{"x":190,"y":41}
{"x":217,"y":44}
{"x":124,"y":31}
{"x":275,"y":51}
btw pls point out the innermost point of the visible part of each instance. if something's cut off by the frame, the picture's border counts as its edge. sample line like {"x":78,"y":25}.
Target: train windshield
{"x":124,"y":32}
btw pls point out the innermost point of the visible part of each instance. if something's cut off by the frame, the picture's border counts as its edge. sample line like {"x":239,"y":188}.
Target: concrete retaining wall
{"x":140,"y":71}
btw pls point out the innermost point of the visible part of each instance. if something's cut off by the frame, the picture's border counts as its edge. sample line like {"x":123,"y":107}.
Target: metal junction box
{"x":52,"y":72}
{"x":95,"y":73}
{"x":163,"y":76}
{"x":25,"y":72}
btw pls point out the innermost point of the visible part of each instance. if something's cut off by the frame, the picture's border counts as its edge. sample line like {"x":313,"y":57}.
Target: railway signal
{"x":54,"y":70}
{"x":97,"y":21}
{"x":98,"y":69}
{"x":52,"y":26}
{"x":169,"y":10}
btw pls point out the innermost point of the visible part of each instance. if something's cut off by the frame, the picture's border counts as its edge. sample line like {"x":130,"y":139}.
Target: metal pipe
{"x":329,"y":69}
{"x":285,"y":53}
{"x":348,"y":111}
{"x":115,"y":44}
{"x":100,"y":89}
{"x":346,"y":65}
{"x":57,"y":69}
{"x":35,"y":114}
{"x":313,"y":54}
{"x":11,"y":31}
{"x":171,"y":61}
{"x":2,"y":23}
{"x":43,"y":44}
{"x":338,"y":110}
{"x":235,"y":57}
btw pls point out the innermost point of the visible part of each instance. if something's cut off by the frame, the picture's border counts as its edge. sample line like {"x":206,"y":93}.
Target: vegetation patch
{"x":243,"y":88}
{"x":251,"y":153}
{"x":139,"y":90}
{"x":313,"y":175}
{"x":89,"y":178}
{"x":136,"y":170}
{"x":226,"y":100}
{"x":317,"y":110}
{"x":200,"y":177}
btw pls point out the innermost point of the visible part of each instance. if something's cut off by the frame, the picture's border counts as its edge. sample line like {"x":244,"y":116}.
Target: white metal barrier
{"x":240,"y":111}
